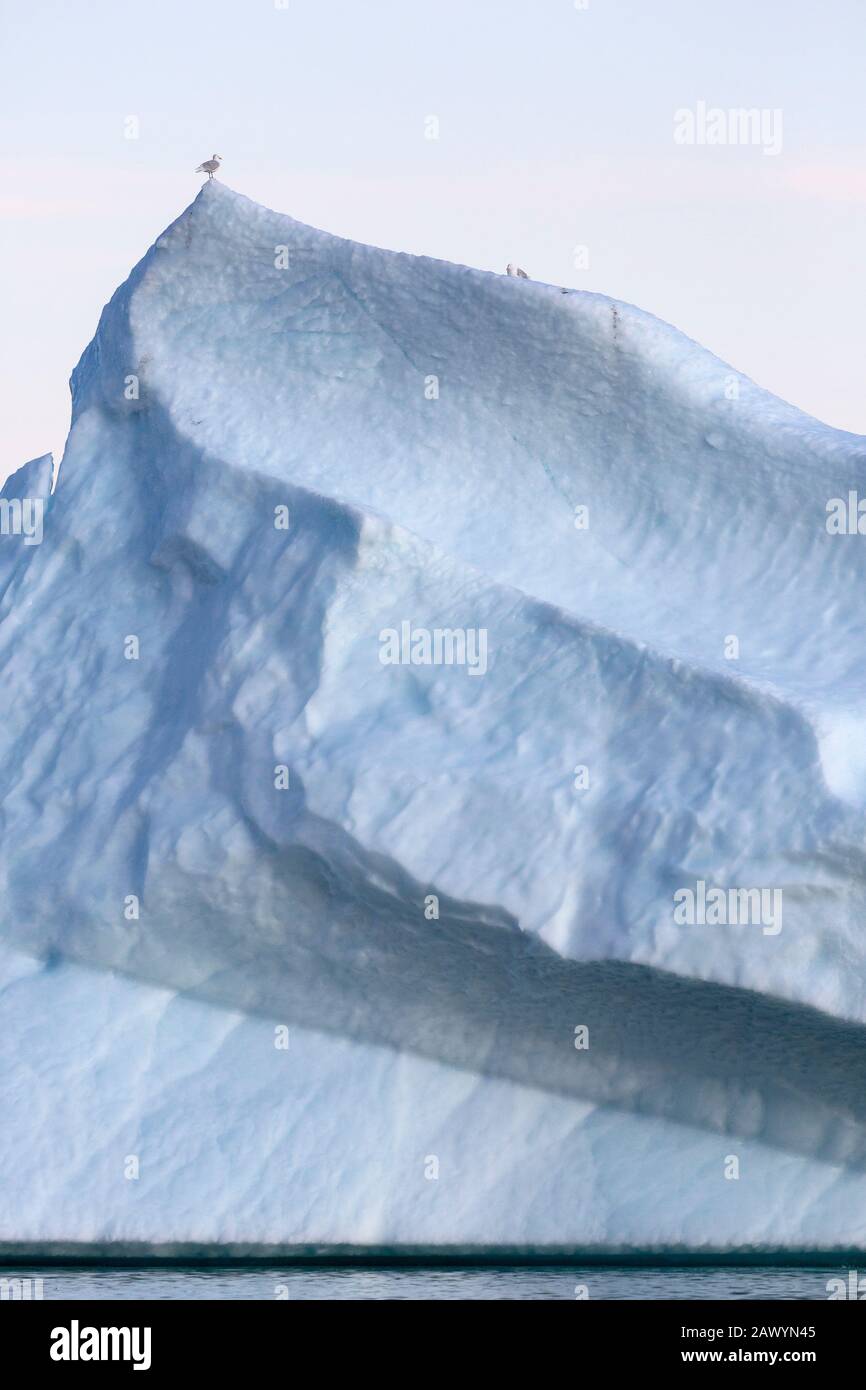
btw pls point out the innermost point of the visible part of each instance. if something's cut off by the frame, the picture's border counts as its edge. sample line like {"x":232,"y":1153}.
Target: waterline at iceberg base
{"x":308,"y":949}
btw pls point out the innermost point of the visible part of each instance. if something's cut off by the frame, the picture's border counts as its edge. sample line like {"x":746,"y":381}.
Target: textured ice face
{"x":250,"y":1132}
{"x":490,"y":418}
{"x":286,"y":448}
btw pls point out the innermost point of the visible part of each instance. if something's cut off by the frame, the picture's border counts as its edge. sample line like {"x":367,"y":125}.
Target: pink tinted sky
{"x":556,"y":131}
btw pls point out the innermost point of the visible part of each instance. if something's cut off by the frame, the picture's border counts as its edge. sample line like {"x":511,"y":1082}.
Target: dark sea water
{"x":490,"y":1282}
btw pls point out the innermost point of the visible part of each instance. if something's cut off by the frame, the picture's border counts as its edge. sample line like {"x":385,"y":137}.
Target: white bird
{"x":210,"y":166}
{"x":512,"y":269}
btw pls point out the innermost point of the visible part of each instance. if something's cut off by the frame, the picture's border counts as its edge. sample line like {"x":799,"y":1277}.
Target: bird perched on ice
{"x":210,"y":166}
{"x":512,"y":269}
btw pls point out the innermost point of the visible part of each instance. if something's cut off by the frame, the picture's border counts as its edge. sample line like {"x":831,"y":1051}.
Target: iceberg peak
{"x":311,"y":488}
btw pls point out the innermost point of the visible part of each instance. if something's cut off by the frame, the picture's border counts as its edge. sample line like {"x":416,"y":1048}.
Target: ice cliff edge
{"x":404,"y":641}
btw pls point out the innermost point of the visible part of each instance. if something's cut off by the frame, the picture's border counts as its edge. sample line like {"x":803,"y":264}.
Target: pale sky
{"x":556,"y":131}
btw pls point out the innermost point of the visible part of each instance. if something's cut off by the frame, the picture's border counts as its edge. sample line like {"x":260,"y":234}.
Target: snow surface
{"x":251,"y":363}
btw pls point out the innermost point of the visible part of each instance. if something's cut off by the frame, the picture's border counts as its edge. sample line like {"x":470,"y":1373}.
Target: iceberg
{"x":432,"y":774}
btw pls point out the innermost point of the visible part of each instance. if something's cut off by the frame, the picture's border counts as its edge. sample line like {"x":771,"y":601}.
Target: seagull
{"x":210,"y":166}
{"x":513,"y":269}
